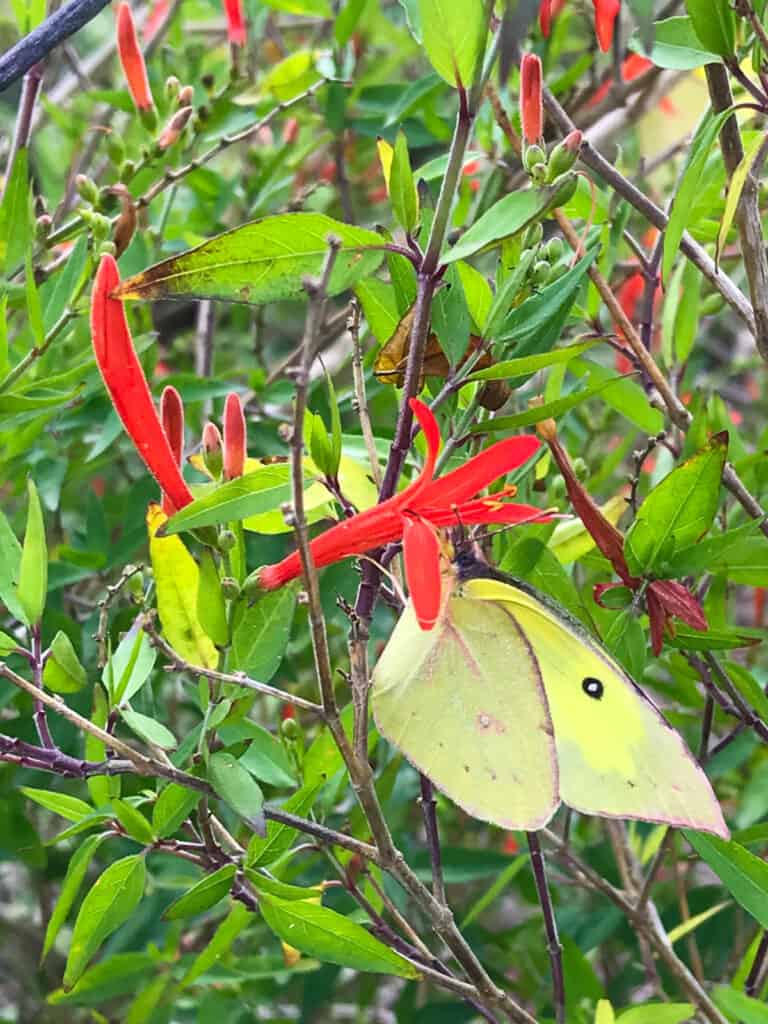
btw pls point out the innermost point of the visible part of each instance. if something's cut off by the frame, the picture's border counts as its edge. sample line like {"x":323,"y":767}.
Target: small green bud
{"x":43,"y":227}
{"x":227,"y":540}
{"x":252,"y":588}
{"x":581,"y":469}
{"x":230,"y":588}
{"x":534,"y":236}
{"x":713,"y":303}
{"x":555,"y":249}
{"x":172,"y":86}
{"x":106,"y":249}
{"x":557,"y":489}
{"x":136,"y":586}
{"x":127,"y":170}
{"x":539,"y":173}
{"x":564,"y":155}
{"x":290,"y":729}
{"x":532,"y":156}
{"x":541,"y":272}
{"x":87,"y":189}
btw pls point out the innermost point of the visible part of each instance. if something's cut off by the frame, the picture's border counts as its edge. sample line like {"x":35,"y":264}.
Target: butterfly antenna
{"x":554,"y":949}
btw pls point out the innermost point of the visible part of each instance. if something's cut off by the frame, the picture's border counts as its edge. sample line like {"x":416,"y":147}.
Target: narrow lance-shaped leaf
{"x":402,"y":188}
{"x":741,"y":872}
{"x":331,"y":937}
{"x":33,"y":570}
{"x":263,"y":261}
{"x":735,"y":188}
{"x":108,"y":904}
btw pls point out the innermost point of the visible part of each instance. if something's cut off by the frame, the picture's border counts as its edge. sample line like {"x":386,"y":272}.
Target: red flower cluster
{"x":416,"y":513}
{"x":606,"y":12}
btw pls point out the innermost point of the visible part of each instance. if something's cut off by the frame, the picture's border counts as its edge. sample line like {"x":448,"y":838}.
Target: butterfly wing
{"x":443,"y":698}
{"x":617,"y":756}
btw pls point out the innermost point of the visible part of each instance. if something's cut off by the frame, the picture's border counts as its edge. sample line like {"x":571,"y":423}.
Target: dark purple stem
{"x":429,"y":813}
{"x":554,"y":948}
{"x":752,"y":984}
{"x":38,"y":663}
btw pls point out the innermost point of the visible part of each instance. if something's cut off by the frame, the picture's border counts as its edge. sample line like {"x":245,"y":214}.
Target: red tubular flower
{"x":235,"y":22}
{"x":132,"y":59}
{"x":531,"y":109}
{"x":545,"y":17}
{"x":234,"y":437}
{"x":605,"y":19}
{"x":127,"y":385}
{"x":418,"y":510}
{"x":172,"y":419}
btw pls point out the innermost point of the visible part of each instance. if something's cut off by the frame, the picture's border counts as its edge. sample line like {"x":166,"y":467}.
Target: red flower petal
{"x":431,"y":430}
{"x":235,"y":22}
{"x":127,"y":386}
{"x":421,"y":553}
{"x":545,"y":17}
{"x":531,"y":109}
{"x":484,"y":510}
{"x":479,"y":471}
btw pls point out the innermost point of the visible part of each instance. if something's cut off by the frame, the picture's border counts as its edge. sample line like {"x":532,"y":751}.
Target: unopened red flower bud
{"x":606,"y":12}
{"x":564,"y":155}
{"x":172,"y":419}
{"x":545,"y":17}
{"x":212,"y":450}
{"x":132,"y":60}
{"x":234,"y":437}
{"x":290,"y":131}
{"x":531,"y":109}
{"x":186,"y":95}
{"x":235,"y":22}
{"x":174,"y":128}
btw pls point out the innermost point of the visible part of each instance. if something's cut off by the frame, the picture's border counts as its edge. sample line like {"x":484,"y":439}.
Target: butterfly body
{"x":511,"y":708}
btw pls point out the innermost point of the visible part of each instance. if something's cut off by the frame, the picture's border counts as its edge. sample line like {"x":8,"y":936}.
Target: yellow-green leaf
{"x":33,"y":570}
{"x":176,"y":582}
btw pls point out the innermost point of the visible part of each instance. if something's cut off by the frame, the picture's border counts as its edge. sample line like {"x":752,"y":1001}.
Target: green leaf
{"x":402,"y":187}
{"x":283,"y":891}
{"x":70,"y":887}
{"x":748,"y":687}
{"x":714,"y":639}
{"x":675,"y":46}
{"x":714,"y":24}
{"x":63,"y":672}
{"x":265,"y":757}
{"x":148,"y":729}
{"x":172,"y":808}
{"x":7,"y":644}
{"x":263,"y":851}
{"x":10,"y":560}
{"x":689,"y":186}
{"x":509,"y":216}
{"x":261,"y":491}
{"x":107,"y":904}
{"x":538,"y":322}
{"x":331,"y":937}
{"x":453,"y":36}
{"x":679,"y":510}
{"x":261,"y":632}
{"x":622,"y":394}
{"x":688,"y":312}
{"x":741,"y":872}
{"x":604,"y":1013}
{"x":656,"y":1013}
{"x":347,"y":20}
{"x":130,"y":665}
{"x":739,"y":1006}
{"x":124,"y":972}
{"x":451,"y":321}
{"x":222,"y":940}
{"x":379,"y":304}
{"x":735,"y":188}
{"x":547,"y":410}
{"x":262,"y":261}
{"x":134,"y":822}
{"x":477,"y":293}
{"x":741,"y":555}
{"x":69,"y":807}
{"x":33,"y":568}
{"x":530,"y":364}
{"x":237,"y":788}
{"x":692,"y":923}
{"x":202,"y":896}
{"x":14,"y":215}
{"x":211,"y":606}
{"x":57,"y":292}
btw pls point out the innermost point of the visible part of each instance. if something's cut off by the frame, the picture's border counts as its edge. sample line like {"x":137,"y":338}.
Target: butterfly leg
{"x":554,"y":948}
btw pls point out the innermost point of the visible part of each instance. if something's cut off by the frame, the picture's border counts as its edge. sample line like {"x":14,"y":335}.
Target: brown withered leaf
{"x":392,"y":360}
